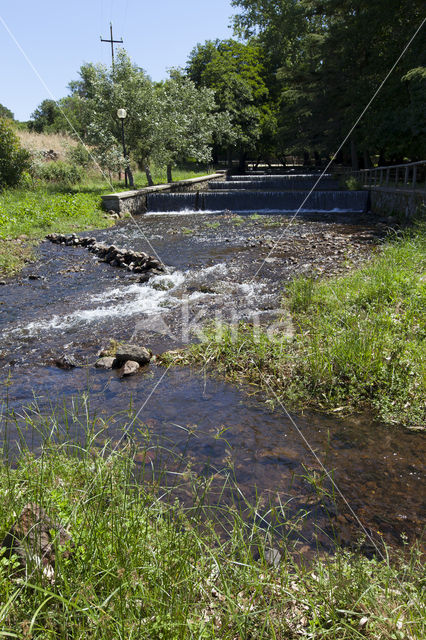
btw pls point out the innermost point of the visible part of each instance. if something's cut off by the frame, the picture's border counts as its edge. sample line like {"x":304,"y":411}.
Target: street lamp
{"x":122,"y":113}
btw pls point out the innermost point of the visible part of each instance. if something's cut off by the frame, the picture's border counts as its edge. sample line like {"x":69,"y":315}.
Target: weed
{"x":212,"y":225}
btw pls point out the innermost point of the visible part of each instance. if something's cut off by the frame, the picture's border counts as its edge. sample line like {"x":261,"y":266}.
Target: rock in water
{"x":35,"y":539}
{"x":130,"y":368}
{"x":125,"y":352}
{"x":66,"y":362}
{"x":107,"y":362}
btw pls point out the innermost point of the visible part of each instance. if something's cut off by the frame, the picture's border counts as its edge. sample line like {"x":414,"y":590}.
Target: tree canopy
{"x":325,"y":61}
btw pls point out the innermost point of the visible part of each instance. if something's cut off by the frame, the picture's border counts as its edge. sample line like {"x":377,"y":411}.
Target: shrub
{"x":80,"y":156}
{"x":13,"y":160}
{"x":59,"y":172}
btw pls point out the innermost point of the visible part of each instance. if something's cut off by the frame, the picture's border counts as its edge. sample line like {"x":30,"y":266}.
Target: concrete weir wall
{"x":135,"y":202}
{"x":396,"y":201}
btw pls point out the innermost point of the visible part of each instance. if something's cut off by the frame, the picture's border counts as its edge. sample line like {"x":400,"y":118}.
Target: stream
{"x":226,"y":267}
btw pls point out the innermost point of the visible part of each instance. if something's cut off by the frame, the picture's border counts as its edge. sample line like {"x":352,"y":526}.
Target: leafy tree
{"x":13,"y":160}
{"x":6,"y":113}
{"x":101,"y":91}
{"x":186,"y":122}
{"x":235,"y":72}
{"x":45,"y":117}
{"x":326,"y":59}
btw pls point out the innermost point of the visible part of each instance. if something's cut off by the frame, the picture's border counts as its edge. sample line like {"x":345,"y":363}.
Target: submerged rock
{"x":66,"y":362}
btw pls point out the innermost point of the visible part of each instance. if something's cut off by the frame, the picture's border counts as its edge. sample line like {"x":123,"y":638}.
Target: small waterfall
{"x":285,"y":201}
{"x":245,"y":200}
{"x":290,"y":183}
{"x":173,"y":202}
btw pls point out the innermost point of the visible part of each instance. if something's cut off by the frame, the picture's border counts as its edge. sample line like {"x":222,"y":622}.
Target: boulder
{"x":134,"y":352}
{"x":35,"y":539}
{"x":106,"y":362}
{"x":130,"y":368}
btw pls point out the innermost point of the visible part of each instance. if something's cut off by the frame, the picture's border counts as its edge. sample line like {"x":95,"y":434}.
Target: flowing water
{"x":225,"y":266}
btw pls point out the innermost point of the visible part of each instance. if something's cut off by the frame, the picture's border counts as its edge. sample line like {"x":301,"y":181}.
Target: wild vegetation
{"x":359,"y":340}
{"x":138,"y":566}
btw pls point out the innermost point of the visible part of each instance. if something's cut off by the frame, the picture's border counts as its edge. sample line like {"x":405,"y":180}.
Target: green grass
{"x":150,"y":568}
{"x":359,"y":340}
{"x":28,"y":215}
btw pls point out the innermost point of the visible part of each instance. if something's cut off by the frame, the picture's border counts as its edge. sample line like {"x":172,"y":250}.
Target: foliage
{"x":6,"y":113}
{"x":80,"y":156}
{"x":169,"y":122}
{"x":61,"y":173}
{"x":43,"y":119}
{"x":235,"y":72}
{"x":360,"y":340}
{"x":13,"y":160}
{"x":143,"y":567}
{"x":325,"y":61}
{"x":186,"y":121}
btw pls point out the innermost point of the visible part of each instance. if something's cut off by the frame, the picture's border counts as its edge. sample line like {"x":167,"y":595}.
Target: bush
{"x":59,"y":172}
{"x":13,"y":160}
{"x":80,"y":156}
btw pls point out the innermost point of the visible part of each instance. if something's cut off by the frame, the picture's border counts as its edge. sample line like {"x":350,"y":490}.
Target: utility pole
{"x":111,"y":40}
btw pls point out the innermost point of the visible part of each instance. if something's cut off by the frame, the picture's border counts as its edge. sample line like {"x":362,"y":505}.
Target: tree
{"x":325,"y":61}
{"x":6,"y":113}
{"x":101,"y":91}
{"x":186,"y":122}
{"x":235,"y":72}
{"x":13,"y":160}
{"x":45,"y":117}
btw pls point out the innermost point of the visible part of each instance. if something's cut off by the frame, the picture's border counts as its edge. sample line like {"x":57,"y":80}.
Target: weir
{"x":282,"y":177}
{"x":281,"y":183}
{"x":246,"y":200}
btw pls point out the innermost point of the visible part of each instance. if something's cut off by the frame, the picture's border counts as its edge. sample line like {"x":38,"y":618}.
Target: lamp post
{"x":122,"y":113}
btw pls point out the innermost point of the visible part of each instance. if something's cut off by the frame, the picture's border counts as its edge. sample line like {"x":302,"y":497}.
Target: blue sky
{"x":57,"y":37}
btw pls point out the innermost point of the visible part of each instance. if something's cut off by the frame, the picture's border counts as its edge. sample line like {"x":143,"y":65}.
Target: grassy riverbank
{"x":147,"y":568}
{"x":26,"y":216}
{"x":359,"y":340}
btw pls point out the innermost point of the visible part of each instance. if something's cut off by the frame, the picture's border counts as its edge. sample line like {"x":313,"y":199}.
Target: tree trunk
{"x":306,"y":159}
{"x":169,"y":174}
{"x":242,"y":162}
{"x":354,"y":156}
{"x":317,"y":159}
{"x":229,"y":159}
{"x":130,"y":176}
{"x":148,"y":175}
{"x":367,"y":160}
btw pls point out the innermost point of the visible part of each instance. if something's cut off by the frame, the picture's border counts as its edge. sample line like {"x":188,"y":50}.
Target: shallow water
{"x":218,"y":266}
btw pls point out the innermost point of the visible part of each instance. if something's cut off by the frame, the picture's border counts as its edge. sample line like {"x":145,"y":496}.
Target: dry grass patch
{"x":36,"y":142}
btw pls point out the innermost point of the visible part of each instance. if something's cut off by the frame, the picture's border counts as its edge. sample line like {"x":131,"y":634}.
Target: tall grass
{"x":144,"y":567}
{"x":359,"y":342}
{"x":34,"y":142}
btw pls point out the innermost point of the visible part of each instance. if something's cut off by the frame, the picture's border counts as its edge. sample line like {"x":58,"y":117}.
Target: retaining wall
{"x":134,"y":202}
{"x":396,"y":202}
